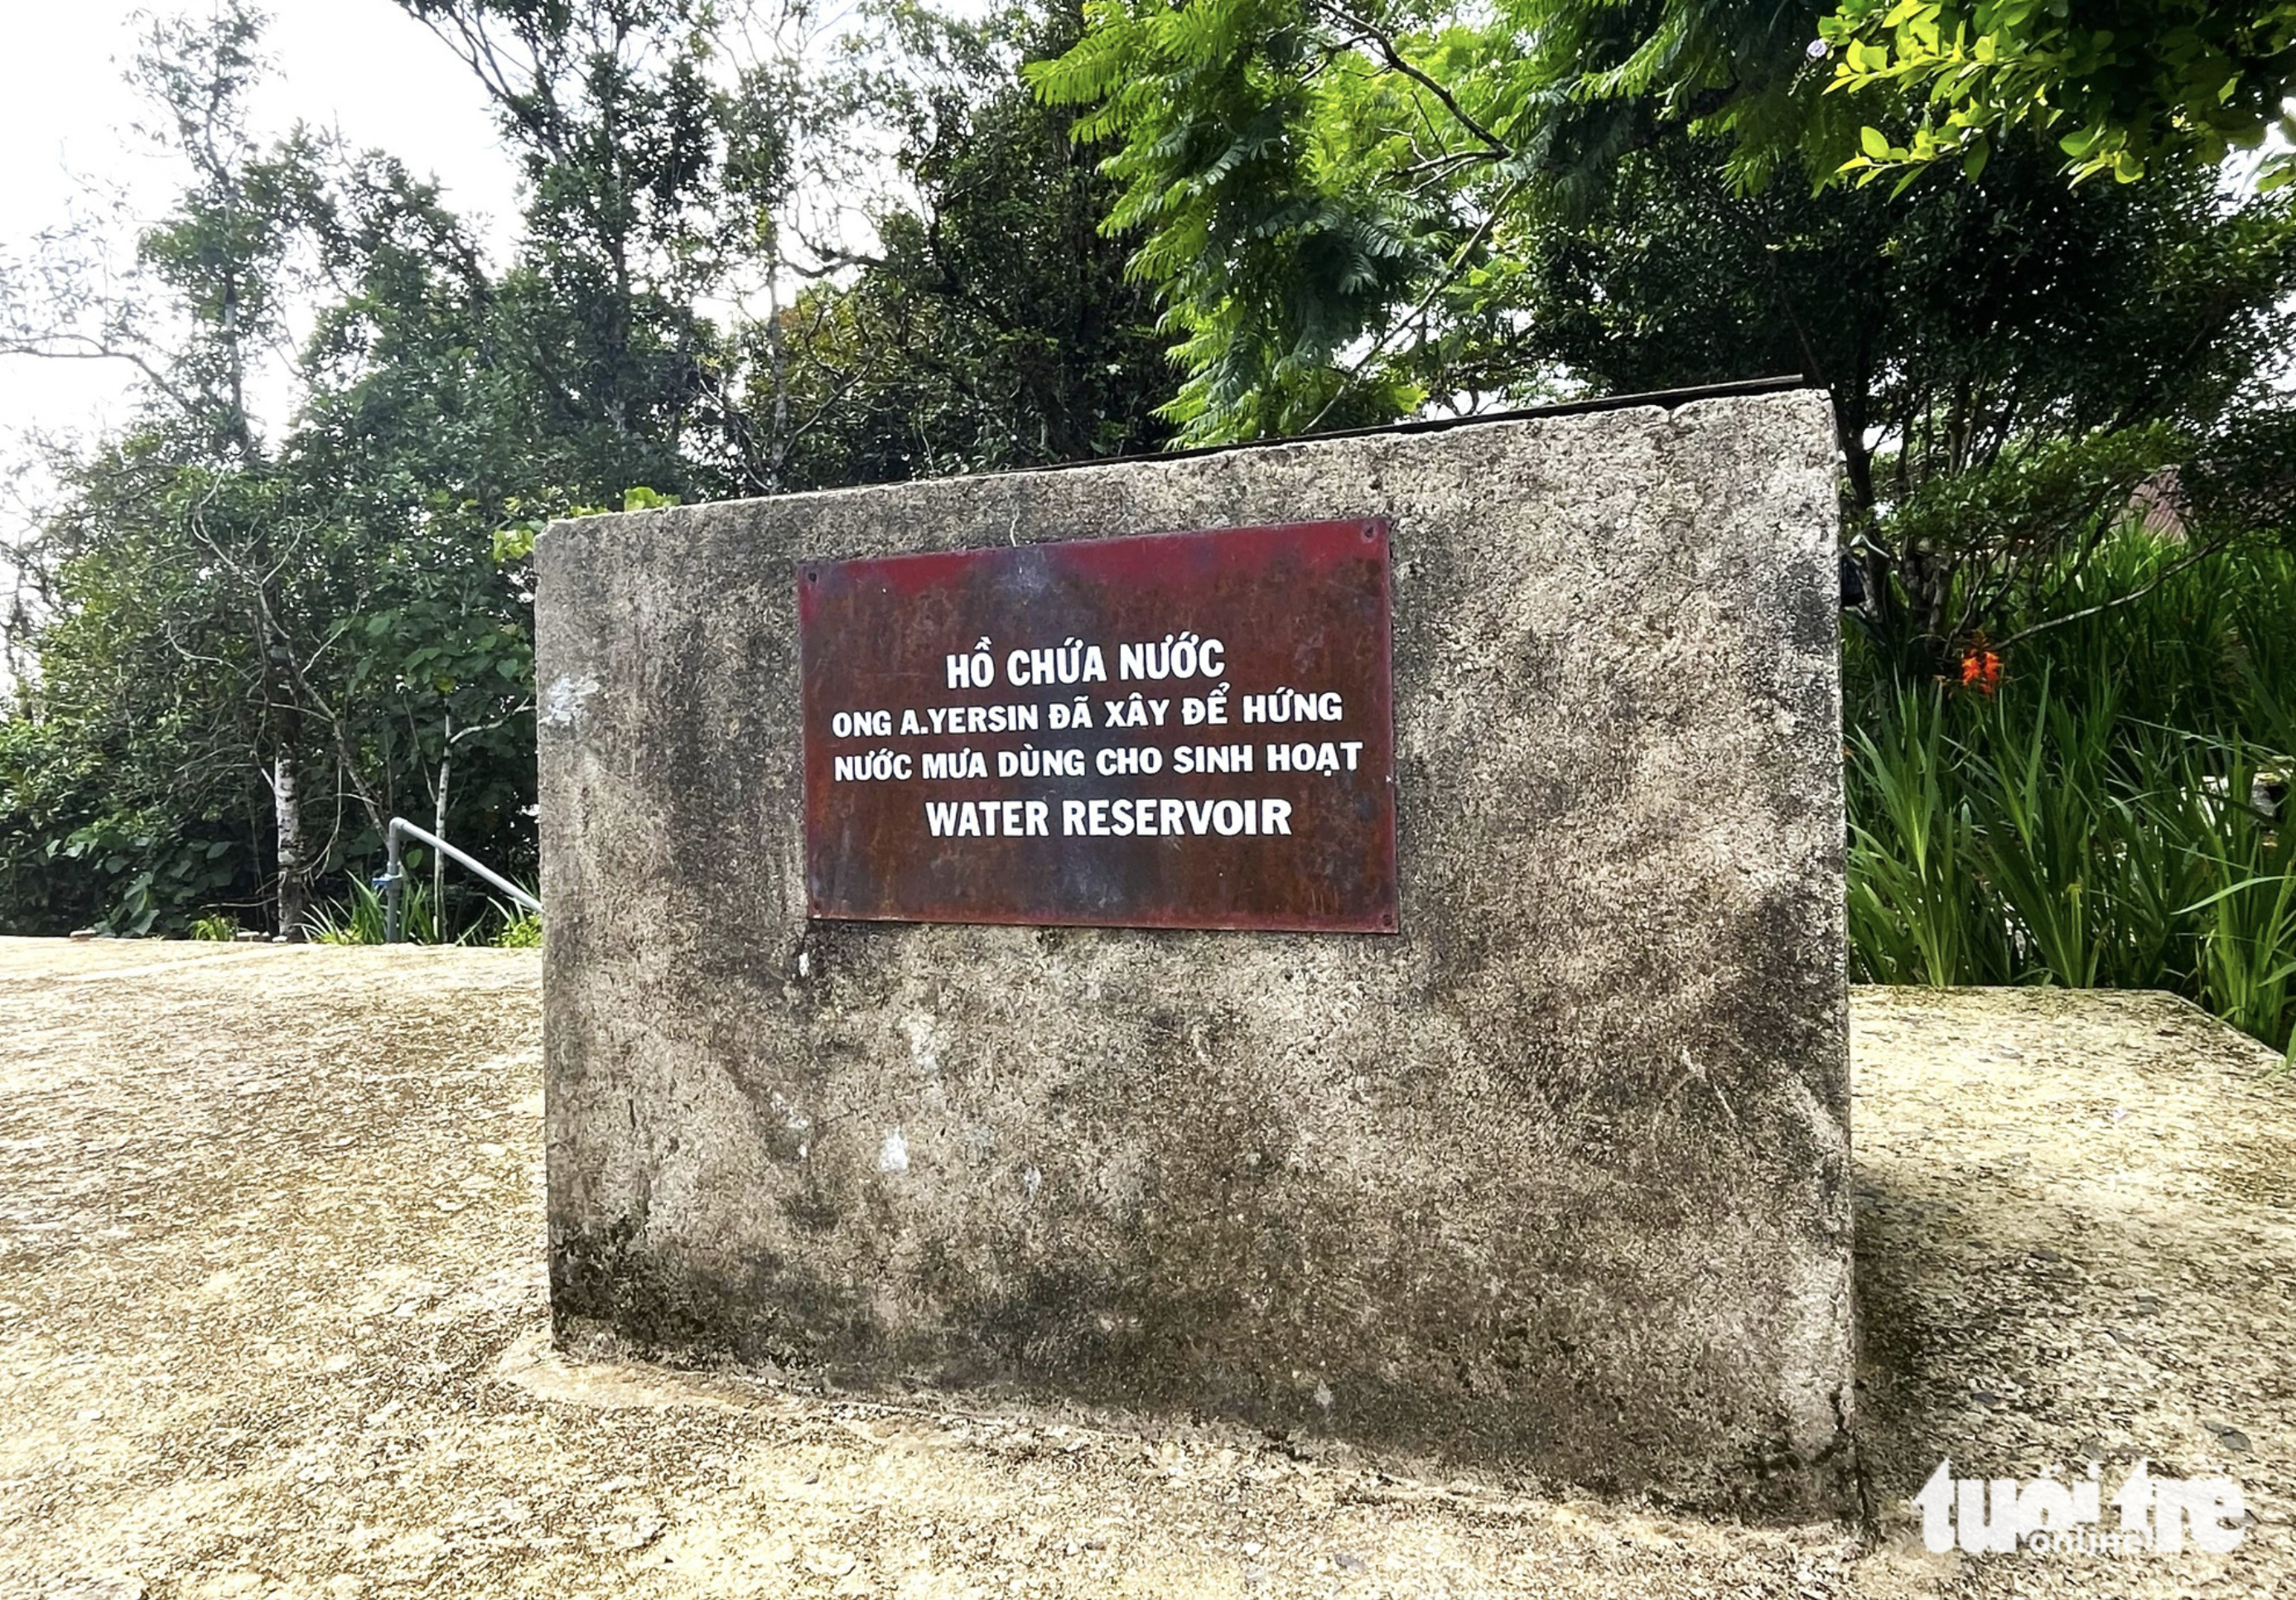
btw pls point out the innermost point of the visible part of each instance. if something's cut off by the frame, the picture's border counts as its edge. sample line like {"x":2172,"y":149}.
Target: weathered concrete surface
{"x":1553,"y":1183}
{"x":272,"y":1323}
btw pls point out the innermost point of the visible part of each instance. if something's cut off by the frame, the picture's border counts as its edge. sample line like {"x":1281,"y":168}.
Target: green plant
{"x":2116,"y":89}
{"x":215,"y":927}
{"x":2099,"y":817}
{"x":2246,"y":970}
{"x":2053,"y":828}
{"x":359,"y":920}
{"x":1915,"y":902}
{"x":520,"y":930}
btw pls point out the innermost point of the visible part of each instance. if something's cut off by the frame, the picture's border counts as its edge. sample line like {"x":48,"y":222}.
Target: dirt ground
{"x":272,"y":1323}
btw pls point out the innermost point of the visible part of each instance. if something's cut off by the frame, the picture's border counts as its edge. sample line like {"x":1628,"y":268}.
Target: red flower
{"x":1981,"y":670}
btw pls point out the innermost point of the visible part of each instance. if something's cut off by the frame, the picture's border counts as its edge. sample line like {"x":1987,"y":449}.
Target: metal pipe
{"x":392,"y":882}
{"x":394,"y":874}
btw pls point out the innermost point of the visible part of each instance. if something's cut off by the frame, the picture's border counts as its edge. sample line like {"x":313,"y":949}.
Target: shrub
{"x":520,"y":932}
{"x":2110,"y":810}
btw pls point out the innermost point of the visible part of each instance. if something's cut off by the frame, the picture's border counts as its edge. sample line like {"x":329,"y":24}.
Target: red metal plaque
{"x":1192,"y":730}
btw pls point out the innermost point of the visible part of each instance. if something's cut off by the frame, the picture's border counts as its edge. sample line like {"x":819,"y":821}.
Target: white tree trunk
{"x":438,"y":826}
{"x":287,"y":806}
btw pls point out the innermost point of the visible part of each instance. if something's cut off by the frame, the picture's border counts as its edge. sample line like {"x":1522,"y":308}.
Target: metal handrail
{"x":393,"y":881}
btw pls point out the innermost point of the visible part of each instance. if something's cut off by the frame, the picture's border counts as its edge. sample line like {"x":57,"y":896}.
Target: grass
{"x":358,"y":920}
{"x":2110,"y":815}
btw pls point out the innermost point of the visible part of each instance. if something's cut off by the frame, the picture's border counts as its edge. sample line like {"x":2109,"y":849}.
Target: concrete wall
{"x":1553,"y":1183}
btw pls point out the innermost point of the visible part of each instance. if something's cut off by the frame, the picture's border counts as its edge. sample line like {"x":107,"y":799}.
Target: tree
{"x":1302,"y":178}
{"x":225,"y":674}
{"x":609,"y":107}
{"x":269,"y":628}
{"x":668,"y":146}
{"x":2002,"y":354}
{"x":415,"y":438}
{"x":993,"y":326}
{"x":192,"y":496}
{"x":1358,"y":212}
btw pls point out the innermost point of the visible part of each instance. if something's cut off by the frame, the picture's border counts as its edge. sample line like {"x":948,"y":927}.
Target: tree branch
{"x":1367,"y":33}
{"x":2165,"y":573}
{"x":40,"y":348}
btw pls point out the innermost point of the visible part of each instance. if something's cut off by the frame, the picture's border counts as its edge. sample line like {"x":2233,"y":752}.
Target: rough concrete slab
{"x":272,"y":1323}
{"x":1555,"y":1182}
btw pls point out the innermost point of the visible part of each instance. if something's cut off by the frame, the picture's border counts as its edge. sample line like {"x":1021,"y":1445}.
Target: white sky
{"x":362,"y":66}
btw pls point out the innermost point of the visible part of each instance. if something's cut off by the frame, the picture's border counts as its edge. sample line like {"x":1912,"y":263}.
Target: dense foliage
{"x":260,"y":645}
{"x":2108,"y":807}
{"x":1359,"y":209}
{"x":995,"y":326}
{"x":2114,"y":87}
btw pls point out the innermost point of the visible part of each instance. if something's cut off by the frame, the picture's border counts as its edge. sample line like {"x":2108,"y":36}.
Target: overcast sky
{"x":361,"y":66}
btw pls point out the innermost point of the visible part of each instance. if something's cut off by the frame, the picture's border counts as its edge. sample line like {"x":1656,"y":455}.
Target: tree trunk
{"x":295,"y":871}
{"x":438,"y":826}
